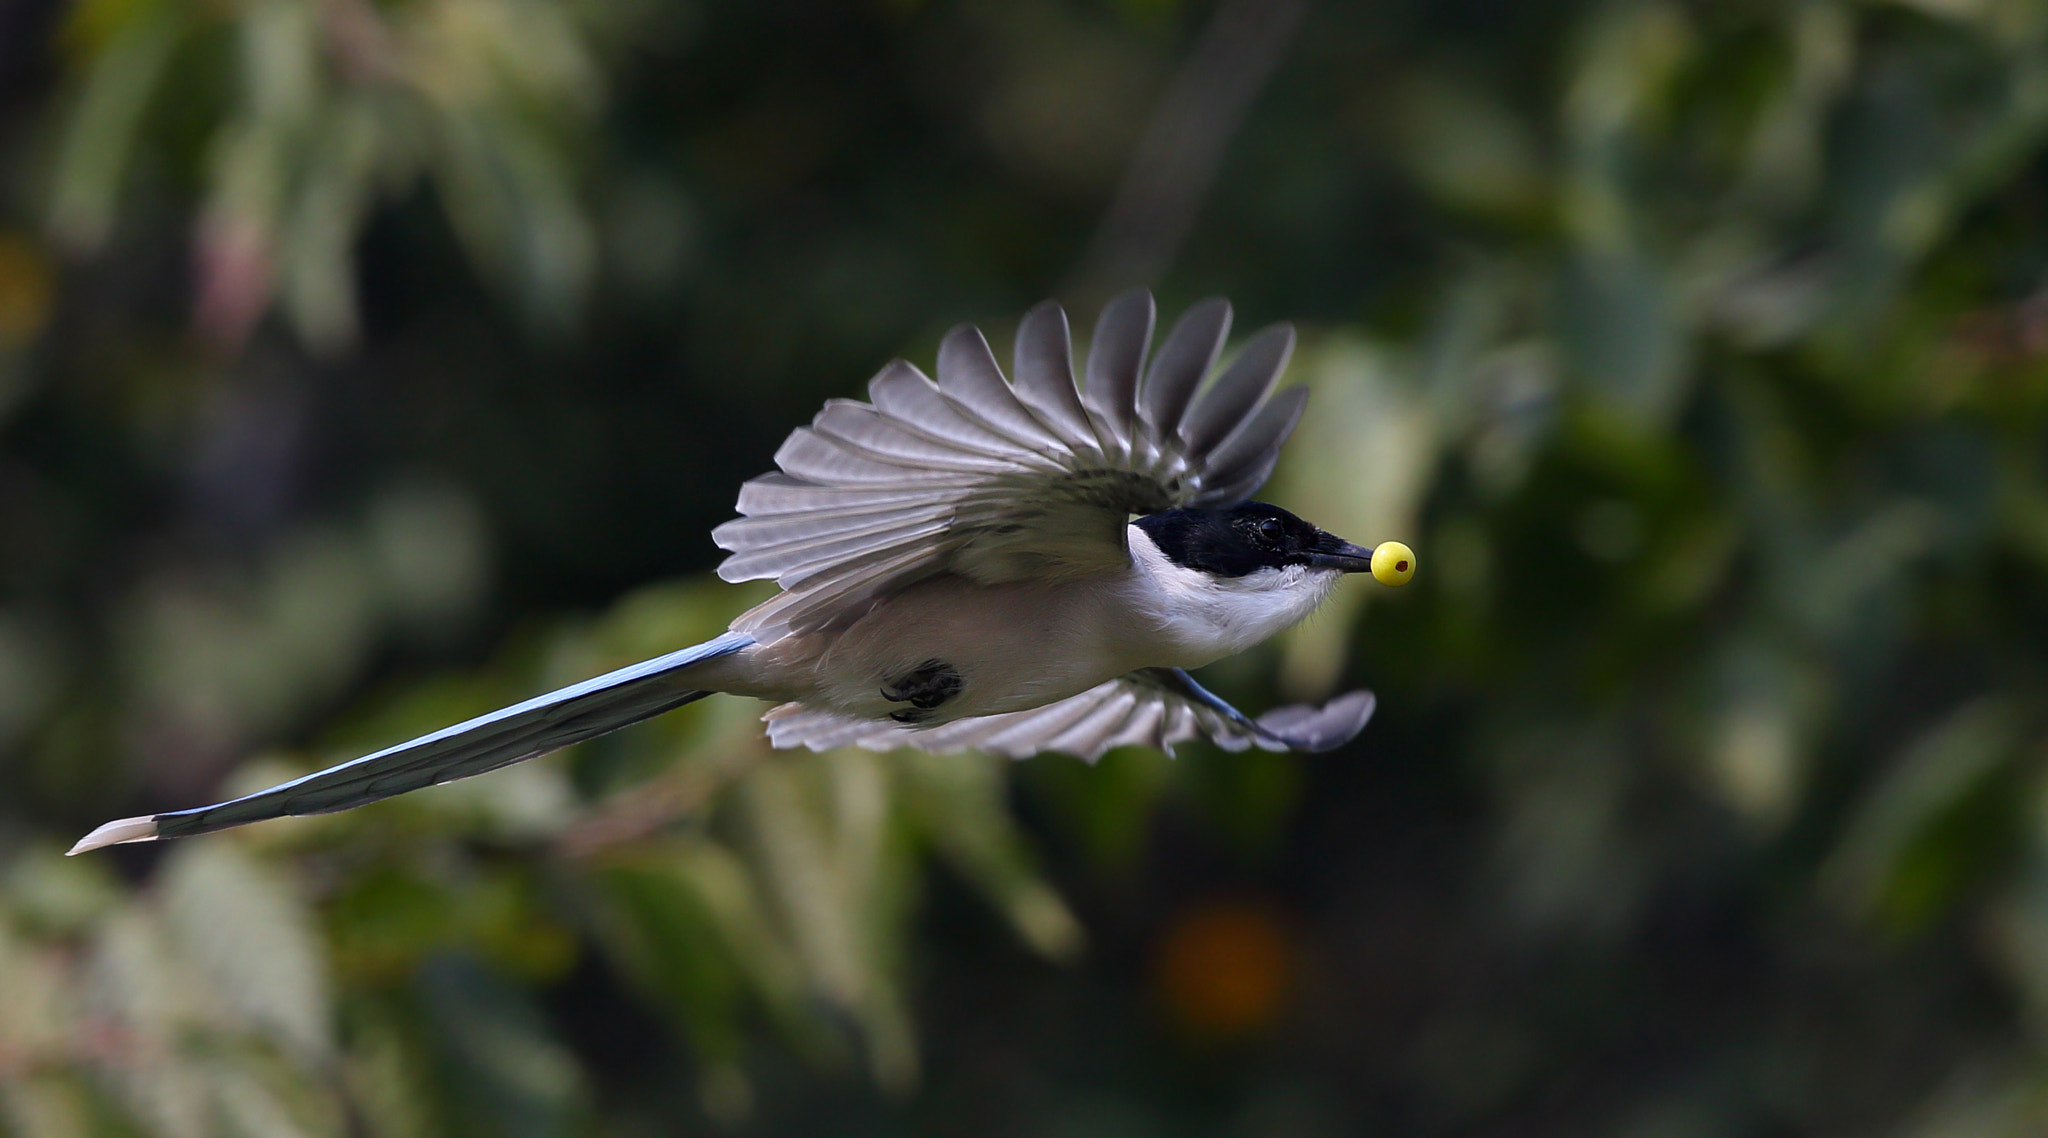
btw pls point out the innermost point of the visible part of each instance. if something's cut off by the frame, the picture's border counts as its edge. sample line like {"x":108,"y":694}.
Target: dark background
{"x":366,"y":364}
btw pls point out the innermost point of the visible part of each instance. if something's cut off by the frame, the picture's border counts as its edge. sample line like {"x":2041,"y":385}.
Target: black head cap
{"x":1249,"y":536}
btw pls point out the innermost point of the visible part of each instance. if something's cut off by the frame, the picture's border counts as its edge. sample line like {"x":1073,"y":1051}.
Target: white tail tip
{"x":116,"y":832}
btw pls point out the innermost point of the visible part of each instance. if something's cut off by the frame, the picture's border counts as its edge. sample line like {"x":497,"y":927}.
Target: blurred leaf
{"x":1884,"y":861}
{"x":958,"y":800}
{"x":51,"y":894}
{"x":508,"y":1074}
{"x":1626,"y":336}
{"x":337,"y":107}
{"x":389,"y":1073}
{"x":838,"y":889}
{"x":123,"y":77}
{"x":138,"y":982}
{"x":685,"y":920}
{"x":253,"y":940}
{"x":1106,"y":807}
{"x":388,"y":921}
{"x":1470,"y":150}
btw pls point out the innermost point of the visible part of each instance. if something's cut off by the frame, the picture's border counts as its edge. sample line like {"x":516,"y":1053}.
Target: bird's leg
{"x":924,"y":688}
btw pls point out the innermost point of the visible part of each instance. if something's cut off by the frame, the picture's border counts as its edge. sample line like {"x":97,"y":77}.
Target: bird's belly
{"x":1012,"y":647}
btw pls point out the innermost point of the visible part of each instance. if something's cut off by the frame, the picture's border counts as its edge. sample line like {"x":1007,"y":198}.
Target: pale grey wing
{"x":972,"y":474}
{"x":503,"y":737}
{"x":1154,"y":707}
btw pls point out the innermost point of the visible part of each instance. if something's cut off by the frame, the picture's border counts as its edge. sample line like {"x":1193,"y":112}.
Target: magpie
{"x":1007,"y":565}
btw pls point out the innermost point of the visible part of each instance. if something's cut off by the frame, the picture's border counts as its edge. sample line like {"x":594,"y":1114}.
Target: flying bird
{"x":1010,"y":565}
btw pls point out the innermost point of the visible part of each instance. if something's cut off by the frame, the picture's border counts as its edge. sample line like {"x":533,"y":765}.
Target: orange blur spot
{"x":1224,"y":968}
{"x":26,"y":292}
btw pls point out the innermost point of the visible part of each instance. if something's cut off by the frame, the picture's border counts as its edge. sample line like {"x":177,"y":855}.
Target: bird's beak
{"x":1338,"y":554}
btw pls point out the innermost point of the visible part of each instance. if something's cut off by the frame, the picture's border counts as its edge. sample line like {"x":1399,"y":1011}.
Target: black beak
{"x":1335,"y":553}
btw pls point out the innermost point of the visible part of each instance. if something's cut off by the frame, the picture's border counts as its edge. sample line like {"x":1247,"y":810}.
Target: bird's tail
{"x":522,"y":731}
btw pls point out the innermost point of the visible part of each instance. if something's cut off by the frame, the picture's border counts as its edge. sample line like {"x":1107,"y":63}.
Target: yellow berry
{"x":1393,"y":563}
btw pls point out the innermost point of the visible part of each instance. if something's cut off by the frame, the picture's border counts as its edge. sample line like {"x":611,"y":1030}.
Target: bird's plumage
{"x":960,"y":568}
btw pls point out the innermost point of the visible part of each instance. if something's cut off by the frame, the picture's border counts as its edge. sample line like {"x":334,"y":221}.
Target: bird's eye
{"x":1271,"y":530}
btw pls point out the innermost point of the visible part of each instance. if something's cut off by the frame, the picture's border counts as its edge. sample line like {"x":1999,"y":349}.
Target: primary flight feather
{"x":1010,"y":565}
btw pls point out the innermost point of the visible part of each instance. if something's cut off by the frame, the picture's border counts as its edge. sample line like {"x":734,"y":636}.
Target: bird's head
{"x":1238,"y":541}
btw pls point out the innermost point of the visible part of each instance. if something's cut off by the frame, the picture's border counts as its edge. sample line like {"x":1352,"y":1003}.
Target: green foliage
{"x":1700,"y":350}
{"x":310,"y":114}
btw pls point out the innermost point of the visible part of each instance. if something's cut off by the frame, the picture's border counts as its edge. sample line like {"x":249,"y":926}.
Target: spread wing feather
{"x":971,"y":379}
{"x":1044,"y":370}
{"x":1245,"y":460}
{"x":971,"y":474}
{"x":1156,"y":707}
{"x":776,"y":494}
{"x":819,"y":458}
{"x":1230,"y":401}
{"x":1116,"y":356}
{"x":863,"y":430}
{"x":908,"y":397}
{"x":1186,"y":356}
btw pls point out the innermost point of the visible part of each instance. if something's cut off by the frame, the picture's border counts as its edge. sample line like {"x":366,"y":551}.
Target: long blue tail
{"x":506,"y":736}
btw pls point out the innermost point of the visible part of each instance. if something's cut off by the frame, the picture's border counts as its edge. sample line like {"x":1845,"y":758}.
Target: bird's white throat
{"x":1203,"y":617}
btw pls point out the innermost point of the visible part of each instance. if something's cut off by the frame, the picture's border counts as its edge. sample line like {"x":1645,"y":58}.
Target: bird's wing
{"x":506,"y":736}
{"x":1153,"y":707}
{"x":999,"y":480}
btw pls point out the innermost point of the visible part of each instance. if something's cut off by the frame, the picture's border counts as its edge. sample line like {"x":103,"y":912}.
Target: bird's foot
{"x":924,"y":688}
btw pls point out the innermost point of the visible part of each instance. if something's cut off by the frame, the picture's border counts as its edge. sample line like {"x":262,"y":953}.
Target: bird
{"x":1013,"y":565}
